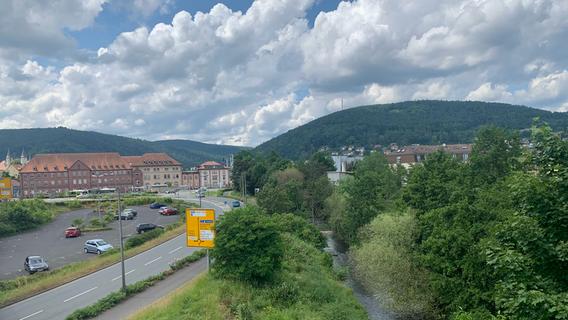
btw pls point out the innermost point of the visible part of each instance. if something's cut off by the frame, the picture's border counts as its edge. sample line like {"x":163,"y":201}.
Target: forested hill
{"x":422,"y":122}
{"x":52,"y":140}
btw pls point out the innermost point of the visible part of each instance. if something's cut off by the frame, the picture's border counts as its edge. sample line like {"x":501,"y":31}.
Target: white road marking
{"x":31,"y":315}
{"x":158,"y":258}
{"x":176,"y":249}
{"x":127,"y":273}
{"x":80,"y":294}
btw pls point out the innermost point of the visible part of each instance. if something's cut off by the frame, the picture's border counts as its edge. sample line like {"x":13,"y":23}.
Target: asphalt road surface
{"x":49,"y":240}
{"x":62,"y":301}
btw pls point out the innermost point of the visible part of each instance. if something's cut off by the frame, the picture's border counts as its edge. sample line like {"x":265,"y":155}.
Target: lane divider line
{"x":176,"y":249}
{"x":31,"y":315}
{"x":149,"y":262}
{"x":80,"y":294}
{"x":127,"y":273}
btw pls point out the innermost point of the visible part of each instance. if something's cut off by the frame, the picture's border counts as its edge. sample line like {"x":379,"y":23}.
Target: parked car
{"x":236,"y":203}
{"x":134,"y":212}
{"x":168,"y":211}
{"x":125,"y":215}
{"x":97,"y":246}
{"x":72,"y":232}
{"x":145,"y":227}
{"x":156,"y":205}
{"x":34,"y":264}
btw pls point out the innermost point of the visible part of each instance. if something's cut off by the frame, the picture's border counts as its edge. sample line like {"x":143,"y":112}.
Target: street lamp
{"x":121,"y":242}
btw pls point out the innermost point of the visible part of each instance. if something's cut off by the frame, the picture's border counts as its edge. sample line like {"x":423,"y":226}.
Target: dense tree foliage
{"x":371,"y":190}
{"x":424,"y":122}
{"x":488,"y":237}
{"x":56,"y":140}
{"x":248,"y":246}
{"x":255,"y":168}
{"x":23,"y":215}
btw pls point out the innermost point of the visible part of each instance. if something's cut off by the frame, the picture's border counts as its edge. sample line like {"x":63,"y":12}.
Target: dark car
{"x":72,"y":232}
{"x":156,"y":205}
{"x":168,"y":211}
{"x":34,"y":264}
{"x":144,"y":227}
{"x":134,"y":212}
{"x":236,"y":203}
{"x":125,"y":215}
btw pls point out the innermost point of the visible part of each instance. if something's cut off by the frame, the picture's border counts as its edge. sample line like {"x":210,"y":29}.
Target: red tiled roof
{"x":63,"y":161}
{"x":151,"y":159}
{"x":425,"y":149}
{"x":210,"y":164}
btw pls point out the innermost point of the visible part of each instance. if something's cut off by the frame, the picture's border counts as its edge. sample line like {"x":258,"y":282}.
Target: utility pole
{"x":121,"y":242}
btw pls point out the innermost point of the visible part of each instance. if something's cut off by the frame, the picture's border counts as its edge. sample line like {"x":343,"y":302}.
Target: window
{"x":398,"y":159}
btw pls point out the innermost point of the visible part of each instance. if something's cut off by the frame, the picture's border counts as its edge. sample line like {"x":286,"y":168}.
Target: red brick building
{"x":50,"y":174}
{"x":409,"y":155}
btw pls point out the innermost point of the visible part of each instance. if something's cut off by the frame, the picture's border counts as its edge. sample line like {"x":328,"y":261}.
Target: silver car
{"x":97,"y":246}
{"x":35,"y":263}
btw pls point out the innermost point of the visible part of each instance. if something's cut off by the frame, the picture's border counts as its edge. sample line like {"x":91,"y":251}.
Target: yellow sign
{"x":5,"y":188}
{"x":200,"y":224}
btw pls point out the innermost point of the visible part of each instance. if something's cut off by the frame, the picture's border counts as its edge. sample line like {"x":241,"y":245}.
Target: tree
{"x":248,"y":246}
{"x":437,"y":182}
{"x":371,"y":191}
{"x":315,"y":193}
{"x":495,"y":154}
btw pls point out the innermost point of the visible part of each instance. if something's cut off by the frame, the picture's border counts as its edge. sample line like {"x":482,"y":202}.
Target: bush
{"x":384,"y":265}
{"x":300,"y":227}
{"x":138,"y":240}
{"x":138,"y":201}
{"x":247,"y":246}
{"x":17,"y":216}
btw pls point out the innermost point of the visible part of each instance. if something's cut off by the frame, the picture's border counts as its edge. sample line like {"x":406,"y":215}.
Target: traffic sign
{"x":200,"y":225}
{"x":5,"y":188}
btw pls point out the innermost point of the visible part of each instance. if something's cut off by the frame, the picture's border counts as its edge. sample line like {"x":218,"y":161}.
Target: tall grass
{"x":383,"y":263}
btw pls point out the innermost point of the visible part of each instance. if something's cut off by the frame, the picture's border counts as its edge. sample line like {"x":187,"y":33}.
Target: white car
{"x":97,"y":246}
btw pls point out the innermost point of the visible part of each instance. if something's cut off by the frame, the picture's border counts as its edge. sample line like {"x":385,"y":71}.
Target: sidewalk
{"x":162,"y":288}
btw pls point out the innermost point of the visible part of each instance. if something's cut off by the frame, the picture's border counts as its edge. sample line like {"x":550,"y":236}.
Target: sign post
{"x":5,"y":188}
{"x":200,"y":226}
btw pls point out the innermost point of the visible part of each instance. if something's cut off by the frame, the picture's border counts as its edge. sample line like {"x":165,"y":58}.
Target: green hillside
{"x":422,"y":122}
{"x":52,"y":140}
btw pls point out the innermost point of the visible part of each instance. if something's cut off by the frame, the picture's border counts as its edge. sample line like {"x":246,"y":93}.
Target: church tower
{"x":23,"y":159}
{"x":8,"y":158}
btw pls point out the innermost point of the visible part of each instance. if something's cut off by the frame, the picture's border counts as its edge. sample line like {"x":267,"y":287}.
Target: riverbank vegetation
{"x":270,"y":281}
{"x":482,"y":239}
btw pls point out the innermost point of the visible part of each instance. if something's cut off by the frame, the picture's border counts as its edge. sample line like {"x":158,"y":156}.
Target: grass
{"x":26,"y":286}
{"x":306,"y":289}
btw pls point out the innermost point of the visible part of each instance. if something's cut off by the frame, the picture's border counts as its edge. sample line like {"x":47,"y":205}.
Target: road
{"x":62,"y":301}
{"x":49,"y":240}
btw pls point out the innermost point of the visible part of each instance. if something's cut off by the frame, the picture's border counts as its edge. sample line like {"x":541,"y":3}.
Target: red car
{"x":72,"y":232}
{"x":168,"y":211}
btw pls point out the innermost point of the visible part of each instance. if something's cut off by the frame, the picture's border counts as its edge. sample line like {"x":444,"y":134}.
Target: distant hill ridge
{"x":421,"y":122}
{"x":58,"y":140}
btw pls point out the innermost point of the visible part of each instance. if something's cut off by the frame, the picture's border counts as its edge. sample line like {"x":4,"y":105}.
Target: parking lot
{"x":49,"y":240}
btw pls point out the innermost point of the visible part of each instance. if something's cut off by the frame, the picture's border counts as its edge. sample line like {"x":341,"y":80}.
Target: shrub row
{"x":115,"y":298}
{"x":138,"y":240}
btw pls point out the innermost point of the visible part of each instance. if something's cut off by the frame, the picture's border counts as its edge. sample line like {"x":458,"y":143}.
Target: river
{"x":339,"y":254}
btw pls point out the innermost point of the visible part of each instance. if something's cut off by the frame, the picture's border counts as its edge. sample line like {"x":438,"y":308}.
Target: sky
{"x":241,"y":72}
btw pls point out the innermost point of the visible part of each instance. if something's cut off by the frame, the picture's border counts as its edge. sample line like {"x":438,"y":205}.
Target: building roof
{"x":208,"y":164}
{"x":151,"y":159}
{"x":425,"y":149}
{"x":3,"y":166}
{"x":63,"y":161}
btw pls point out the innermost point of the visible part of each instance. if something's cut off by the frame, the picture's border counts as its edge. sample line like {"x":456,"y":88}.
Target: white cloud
{"x":244,"y":77}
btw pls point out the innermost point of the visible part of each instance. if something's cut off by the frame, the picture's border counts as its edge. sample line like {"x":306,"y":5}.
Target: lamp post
{"x":121,"y":242}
